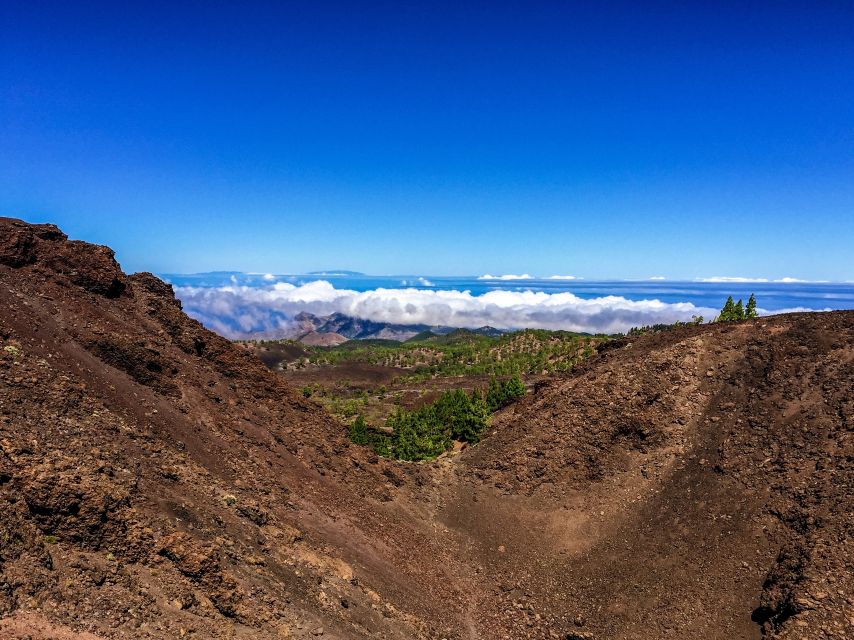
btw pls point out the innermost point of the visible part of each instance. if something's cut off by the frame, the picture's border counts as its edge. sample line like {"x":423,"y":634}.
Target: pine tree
{"x":515,"y":387}
{"x":728,"y":312}
{"x":495,"y":395}
{"x":358,"y":431}
{"x":750,"y":311}
{"x":405,"y":436}
{"x":474,"y":418}
{"x":501,"y":394}
{"x":380,"y":443}
{"x":738,"y":312}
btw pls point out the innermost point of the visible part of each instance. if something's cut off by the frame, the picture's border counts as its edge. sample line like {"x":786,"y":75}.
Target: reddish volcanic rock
{"x":92,"y":267}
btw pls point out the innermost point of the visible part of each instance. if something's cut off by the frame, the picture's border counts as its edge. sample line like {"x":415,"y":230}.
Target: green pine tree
{"x":728,"y":312}
{"x":501,"y":393}
{"x":473,"y":419}
{"x":738,"y":312}
{"x":750,"y":311}
{"x":381,"y":443}
{"x":358,"y":431}
{"x":515,"y":387}
{"x":405,"y":436}
{"x":495,"y":395}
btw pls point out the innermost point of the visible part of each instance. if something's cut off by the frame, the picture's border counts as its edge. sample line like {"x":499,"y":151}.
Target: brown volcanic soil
{"x":315,"y":339}
{"x":157,"y":481}
{"x":155,"y":478}
{"x":697,"y":483}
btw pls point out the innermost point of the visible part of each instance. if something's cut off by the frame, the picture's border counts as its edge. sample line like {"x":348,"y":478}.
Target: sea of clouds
{"x":238,"y":311}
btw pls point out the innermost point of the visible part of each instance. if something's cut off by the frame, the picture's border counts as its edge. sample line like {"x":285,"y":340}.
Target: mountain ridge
{"x":353,"y":328}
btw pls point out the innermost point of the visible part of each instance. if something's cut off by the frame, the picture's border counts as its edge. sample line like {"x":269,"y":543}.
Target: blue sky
{"x":628,"y":140}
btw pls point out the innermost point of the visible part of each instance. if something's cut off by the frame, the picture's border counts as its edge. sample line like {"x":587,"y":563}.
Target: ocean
{"x":772,"y":296}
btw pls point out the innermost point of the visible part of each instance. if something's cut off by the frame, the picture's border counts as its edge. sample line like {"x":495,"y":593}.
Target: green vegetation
{"x":12,"y":349}
{"x":750,"y":311}
{"x":428,"y":431}
{"x":359,"y":431}
{"x":464,"y":353}
{"x":655,"y":328}
{"x":502,"y":393}
{"x":731,"y":311}
{"x":379,"y":387}
{"x":737,"y":311}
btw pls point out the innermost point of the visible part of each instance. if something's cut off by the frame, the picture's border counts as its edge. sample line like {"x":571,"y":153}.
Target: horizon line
{"x":345,"y":273}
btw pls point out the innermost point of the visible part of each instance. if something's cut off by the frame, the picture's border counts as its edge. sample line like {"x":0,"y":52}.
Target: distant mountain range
{"x":337,"y":328}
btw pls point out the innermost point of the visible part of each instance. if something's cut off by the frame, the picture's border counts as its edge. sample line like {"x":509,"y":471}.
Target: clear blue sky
{"x":628,"y":140}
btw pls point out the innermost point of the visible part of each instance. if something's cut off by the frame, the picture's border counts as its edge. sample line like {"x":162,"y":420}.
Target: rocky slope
{"x":157,"y":481}
{"x":695,"y":483}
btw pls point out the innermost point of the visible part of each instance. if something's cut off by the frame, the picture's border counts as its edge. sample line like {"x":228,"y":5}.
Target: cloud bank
{"x":508,"y":276}
{"x":239,"y":311}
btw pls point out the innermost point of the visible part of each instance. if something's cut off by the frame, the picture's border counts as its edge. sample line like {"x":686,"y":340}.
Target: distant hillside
{"x":318,"y":339}
{"x":459,"y":352}
{"x":359,"y":329}
{"x":351,"y":328}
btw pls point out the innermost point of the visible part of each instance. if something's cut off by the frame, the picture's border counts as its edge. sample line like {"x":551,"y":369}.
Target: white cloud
{"x":240,"y":311}
{"x":563,"y":278}
{"x":766,"y":312}
{"x":509,"y":276}
{"x":420,"y":280}
{"x":798,"y":280}
{"x":269,"y":277}
{"x":731,"y":279}
{"x":657,"y":278}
